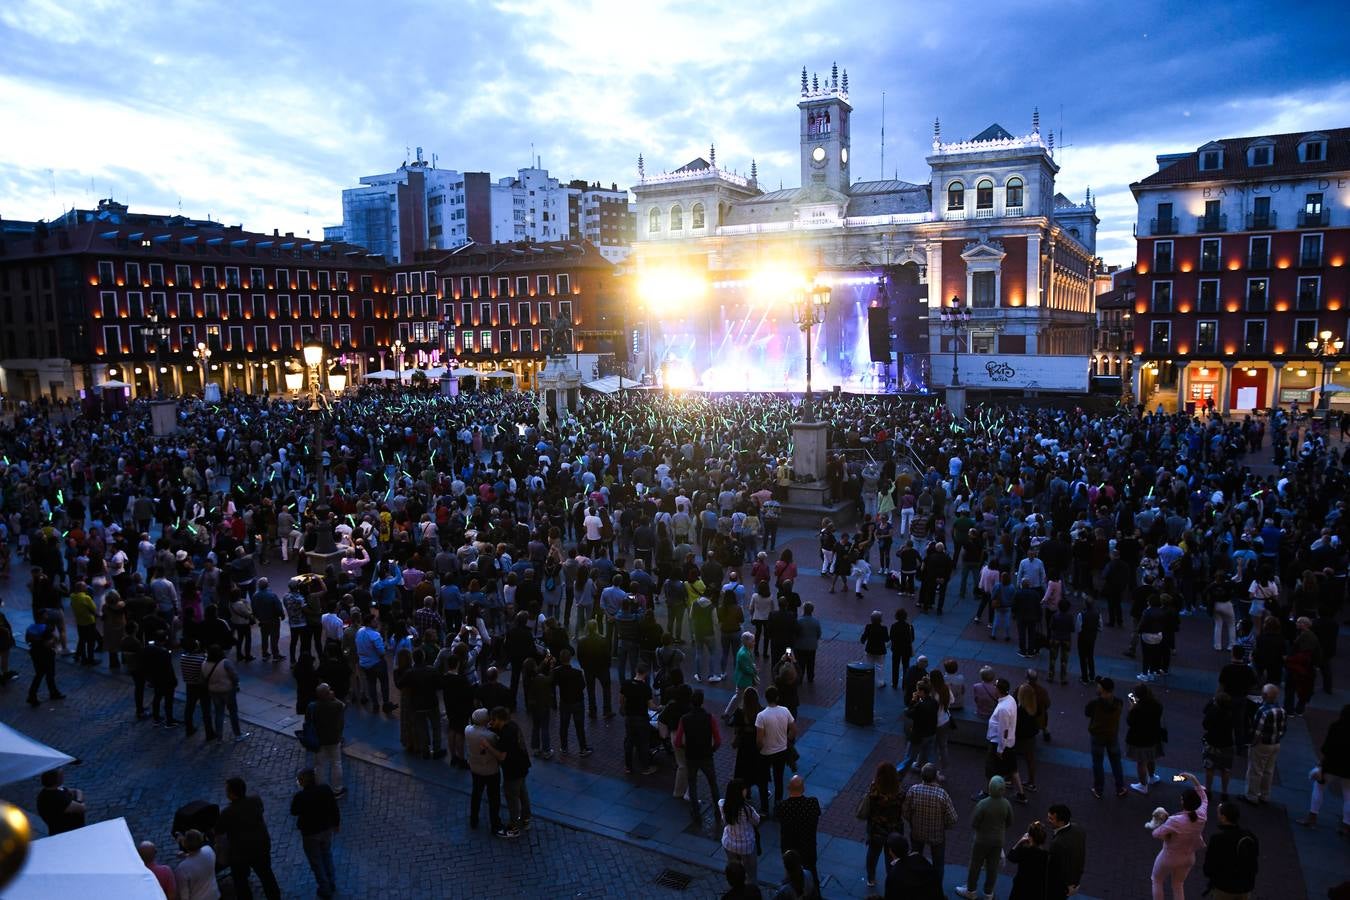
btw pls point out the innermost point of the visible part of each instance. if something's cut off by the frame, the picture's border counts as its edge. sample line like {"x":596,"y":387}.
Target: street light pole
{"x":957,"y":318}
{"x":1327,"y":347}
{"x":808,"y":311}
{"x":397,"y":349}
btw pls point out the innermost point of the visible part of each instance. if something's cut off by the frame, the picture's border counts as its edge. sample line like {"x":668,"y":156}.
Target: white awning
{"x":99,"y":860}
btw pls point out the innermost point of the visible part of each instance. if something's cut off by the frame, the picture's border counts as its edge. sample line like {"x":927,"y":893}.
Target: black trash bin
{"x":859,"y":693}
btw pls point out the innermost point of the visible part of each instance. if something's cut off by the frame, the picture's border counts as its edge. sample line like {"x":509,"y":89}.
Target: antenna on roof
{"x":883,"y":135}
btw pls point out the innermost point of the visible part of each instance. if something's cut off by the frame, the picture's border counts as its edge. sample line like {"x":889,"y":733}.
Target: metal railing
{"x":1210,"y":224}
{"x":1261,"y":221}
{"x":1308,"y":219}
{"x":1163,"y":225}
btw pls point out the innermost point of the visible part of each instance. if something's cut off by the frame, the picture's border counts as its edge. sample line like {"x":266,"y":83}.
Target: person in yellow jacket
{"x":86,"y":616}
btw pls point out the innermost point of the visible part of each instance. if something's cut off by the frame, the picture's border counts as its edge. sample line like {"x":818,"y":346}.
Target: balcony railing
{"x":1251,"y":346}
{"x":954,"y":215}
{"x":1308,"y":301}
{"x":1163,"y":225}
{"x":1257,"y":302}
{"x":1211,"y":224}
{"x":984,"y":212}
{"x":1258,"y":262}
{"x":1261,"y":221}
{"x":1207,"y":304}
{"x":1160,"y":347}
{"x":1206,"y":348}
{"x":1209,"y":264}
{"x":1310,"y":260}
{"x":1012,"y":211}
{"x":1307,"y":219}
{"x":1162,"y":265}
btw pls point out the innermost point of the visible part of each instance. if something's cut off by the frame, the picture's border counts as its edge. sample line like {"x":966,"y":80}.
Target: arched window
{"x":697,"y":213}
{"x":654,"y":221}
{"x":1014,"y":192}
{"x":956,"y":195}
{"x":984,"y":194}
{"x":676,"y":218}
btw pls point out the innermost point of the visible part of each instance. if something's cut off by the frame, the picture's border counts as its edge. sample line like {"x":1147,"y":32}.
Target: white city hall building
{"x":720,"y":261}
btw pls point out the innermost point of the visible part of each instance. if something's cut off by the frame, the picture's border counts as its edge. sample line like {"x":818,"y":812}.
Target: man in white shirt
{"x":592,"y":524}
{"x":775,"y":729}
{"x":1002,"y":737}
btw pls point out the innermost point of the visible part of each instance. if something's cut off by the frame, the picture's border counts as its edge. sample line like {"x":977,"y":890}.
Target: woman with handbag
{"x":740,"y":834}
{"x":881,"y":809}
{"x":222,"y":684}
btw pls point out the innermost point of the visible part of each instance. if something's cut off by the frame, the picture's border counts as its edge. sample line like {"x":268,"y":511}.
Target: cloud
{"x":262,"y":113}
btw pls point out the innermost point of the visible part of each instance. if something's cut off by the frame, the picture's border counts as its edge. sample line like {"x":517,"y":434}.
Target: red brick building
{"x":1242,"y":252}
{"x":490,"y":305}
{"x":85,"y":299}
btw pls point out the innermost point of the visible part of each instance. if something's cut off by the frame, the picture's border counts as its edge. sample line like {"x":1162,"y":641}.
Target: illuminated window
{"x":984,"y":194}
{"x":956,"y":195}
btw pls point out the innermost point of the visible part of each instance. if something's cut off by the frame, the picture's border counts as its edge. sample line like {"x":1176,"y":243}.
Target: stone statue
{"x":560,"y":342}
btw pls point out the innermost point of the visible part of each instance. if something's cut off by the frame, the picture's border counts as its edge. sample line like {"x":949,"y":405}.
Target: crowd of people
{"x":460,"y":560}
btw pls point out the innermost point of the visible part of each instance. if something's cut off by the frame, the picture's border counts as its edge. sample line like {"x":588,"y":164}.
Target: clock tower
{"x":825,"y":131}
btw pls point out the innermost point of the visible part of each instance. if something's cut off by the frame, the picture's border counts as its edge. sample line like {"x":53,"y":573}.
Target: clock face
{"x":843,"y":154}
{"x":818,"y":154}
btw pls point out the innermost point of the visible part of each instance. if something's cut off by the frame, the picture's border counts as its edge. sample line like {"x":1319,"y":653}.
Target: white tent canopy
{"x":21,"y":757}
{"x":381,"y":375}
{"x":1333,"y":388}
{"x":464,"y":372}
{"x":611,"y":384}
{"x":99,"y":860}
{"x":501,"y":373}
{"x":112,"y":385}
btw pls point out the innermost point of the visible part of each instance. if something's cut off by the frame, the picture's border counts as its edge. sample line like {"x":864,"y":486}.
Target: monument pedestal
{"x":163,"y":417}
{"x":808,"y":498}
{"x":810,"y":449}
{"x":449,"y":385}
{"x":956,"y":401}
{"x":560,"y":386}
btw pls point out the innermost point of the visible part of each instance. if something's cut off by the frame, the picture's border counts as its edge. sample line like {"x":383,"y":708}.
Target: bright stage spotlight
{"x":671,"y":291}
{"x":775,"y":284}
{"x":678,"y":374}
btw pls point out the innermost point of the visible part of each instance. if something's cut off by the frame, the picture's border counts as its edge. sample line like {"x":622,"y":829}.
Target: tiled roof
{"x":172,"y":239}
{"x":1235,"y":165}
{"x":995,"y":132}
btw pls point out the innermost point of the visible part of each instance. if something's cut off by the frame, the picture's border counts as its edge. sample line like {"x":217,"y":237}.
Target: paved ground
{"x":628,"y":829}
{"x":399,"y":837}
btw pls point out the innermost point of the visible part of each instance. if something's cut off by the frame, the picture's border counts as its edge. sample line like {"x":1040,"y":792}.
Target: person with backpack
{"x":1232,"y":857}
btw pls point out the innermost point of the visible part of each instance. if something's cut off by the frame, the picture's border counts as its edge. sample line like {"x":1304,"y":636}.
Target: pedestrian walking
{"x":244,"y":826}
{"x":1144,"y":736}
{"x":874,"y":639}
{"x":317,"y":818}
{"x":882,"y":809}
{"x":1332,"y":771}
{"x":989,"y":824}
{"x":328,"y":715}
{"x":42,"y":638}
{"x":698,"y":735}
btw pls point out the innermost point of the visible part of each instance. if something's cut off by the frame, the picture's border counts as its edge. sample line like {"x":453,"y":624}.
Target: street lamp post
{"x":1327,"y":347}
{"x":808,"y":310}
{"x":397,"y":349}
{"x":957,"y":318}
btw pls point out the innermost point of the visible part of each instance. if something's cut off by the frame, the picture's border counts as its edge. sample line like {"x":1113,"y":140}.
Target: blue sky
{"x":261,"y":112}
